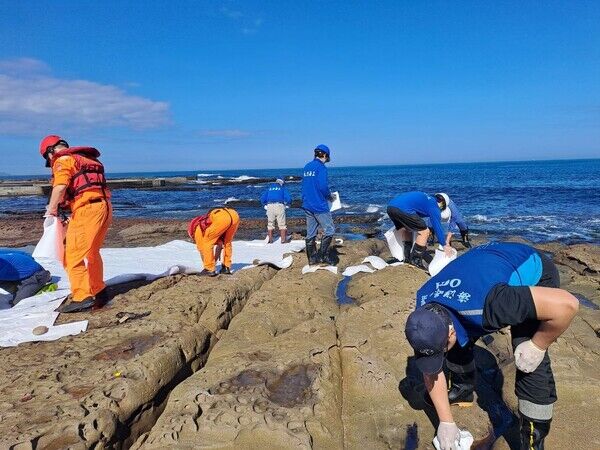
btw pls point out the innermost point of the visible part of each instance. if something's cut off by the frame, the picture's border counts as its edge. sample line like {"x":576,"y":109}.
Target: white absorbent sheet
{"x":123,"y":265}
{"x":440,"y":260}
{"x":465,"y":442}
{"x":336,"y":203}
{"x":311,"y":269}
{"x":376,"y":263}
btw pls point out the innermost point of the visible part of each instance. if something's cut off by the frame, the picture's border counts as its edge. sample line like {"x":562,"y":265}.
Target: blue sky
{"x":252,"y":84}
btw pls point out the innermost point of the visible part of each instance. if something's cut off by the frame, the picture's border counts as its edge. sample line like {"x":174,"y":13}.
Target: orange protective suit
{"x":225,"y":222}
{"x":91,"y":216}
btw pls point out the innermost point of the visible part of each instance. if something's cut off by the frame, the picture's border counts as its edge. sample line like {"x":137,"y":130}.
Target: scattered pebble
{"x":37,"y":331}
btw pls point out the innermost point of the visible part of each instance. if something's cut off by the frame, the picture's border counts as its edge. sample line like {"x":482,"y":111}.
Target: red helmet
{"x":49,"y":141}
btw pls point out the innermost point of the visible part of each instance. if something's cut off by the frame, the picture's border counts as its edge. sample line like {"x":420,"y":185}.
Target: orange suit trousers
{"x":225,"y":222}
{"x":85,"y":235}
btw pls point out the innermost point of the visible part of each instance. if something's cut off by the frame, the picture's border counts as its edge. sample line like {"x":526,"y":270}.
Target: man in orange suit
{"x":215,"y":229}
{"x":79,"y":184}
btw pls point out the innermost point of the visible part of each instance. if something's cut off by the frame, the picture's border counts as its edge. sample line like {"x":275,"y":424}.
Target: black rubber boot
{"x":407,"y":250}
{"x":324,"y":256}
{"x":225,"y":270}
{"x":74,"y":307}
{"x":208,"y":273}
{"x":311,"y":251}
{"x":533,"y":432}
{"x":417,"y":255}
{"x":460,"y":388}
{"x":464,"y":234}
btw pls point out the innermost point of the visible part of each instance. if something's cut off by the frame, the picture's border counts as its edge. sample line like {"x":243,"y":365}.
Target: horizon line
{"x":5,"y":175}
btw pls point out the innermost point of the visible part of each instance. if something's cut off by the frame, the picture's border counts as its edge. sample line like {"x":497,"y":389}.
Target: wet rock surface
{"x":269,"y":359}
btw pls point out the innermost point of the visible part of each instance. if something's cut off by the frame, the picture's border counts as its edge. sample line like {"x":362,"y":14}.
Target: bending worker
{"x":79,"y":184}
{"x":455,"y":222}
{"x":492,"y":286}
{"x":407,"y":212}
{"x":315,"y":194}
{"x":211,"y":232}
{"x":275,"y":199}
{"x":20,"y":275}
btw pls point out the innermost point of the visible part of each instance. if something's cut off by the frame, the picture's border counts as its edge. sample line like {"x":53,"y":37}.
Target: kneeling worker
{"x":215,"y":229}
{"x":407,"y":212}
{"x":493,"y":286}
{"x":79,"y":184}
{"x":275,"y":199}
{"x":20,"y":275}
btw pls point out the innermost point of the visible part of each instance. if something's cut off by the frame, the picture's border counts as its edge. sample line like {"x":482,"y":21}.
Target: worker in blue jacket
{"x":456,"y":222}
{"x":408,"y":212}
{"x":490,"y":287}
{"x":275,"y":200}
{"x":20,"y":275}
{"x":315,"y":197}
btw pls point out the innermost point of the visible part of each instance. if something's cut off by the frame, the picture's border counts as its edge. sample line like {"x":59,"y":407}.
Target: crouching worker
{"x":488,"y":288}
{"x":275,"y":199}
{"x":20,"y":275}
{"x":79,"y":184}
{"x":407,"y":212}
{"x":211,"y":232}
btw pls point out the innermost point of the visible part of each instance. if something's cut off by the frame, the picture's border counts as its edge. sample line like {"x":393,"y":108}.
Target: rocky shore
{"x":269,"y":359}
{"x":26,"y":229}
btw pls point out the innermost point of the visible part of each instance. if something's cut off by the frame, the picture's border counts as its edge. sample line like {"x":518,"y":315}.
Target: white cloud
{"x":231,"y":13}
{"x":33,"y":101}
{"x":23,"y":66}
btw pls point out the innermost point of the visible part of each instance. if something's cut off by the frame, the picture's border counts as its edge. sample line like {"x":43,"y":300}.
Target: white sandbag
{"x":395,"y":243}
{"x":311,"y":269}
{"x":466,"y":440}
{"x":353,"y":270}
{"x":440,"y":260}
{"x":51,"y":245}
{"x":377,"y":262}
{"x":336,"y":203}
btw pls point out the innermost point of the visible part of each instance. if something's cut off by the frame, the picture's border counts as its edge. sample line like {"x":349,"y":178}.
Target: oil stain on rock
{"x":128,"y":349}
{"x":290,"y":388}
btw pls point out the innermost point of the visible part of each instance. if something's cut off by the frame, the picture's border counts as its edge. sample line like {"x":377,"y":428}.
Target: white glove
{"x":448,"y":436}
{"x":265,"y":207}
{"x":528,"y":356}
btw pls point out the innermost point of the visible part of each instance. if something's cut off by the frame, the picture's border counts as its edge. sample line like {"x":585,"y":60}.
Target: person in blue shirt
{"x":20,"y":275}
{"x":408,"y":212}
{"x":315,"y":197}
{"x":490,"y":287}
{"x":275,"y":200}
{"x":455,"y":223}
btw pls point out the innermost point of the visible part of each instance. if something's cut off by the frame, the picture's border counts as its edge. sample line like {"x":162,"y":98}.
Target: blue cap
{"x":427,"y":332}
{"x":323,"y":148}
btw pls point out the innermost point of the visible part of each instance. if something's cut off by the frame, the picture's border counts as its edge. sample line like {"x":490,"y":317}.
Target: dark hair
{"x":440,"y":199}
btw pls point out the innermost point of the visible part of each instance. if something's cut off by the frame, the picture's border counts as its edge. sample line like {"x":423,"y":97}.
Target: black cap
{"x":427,"y":332}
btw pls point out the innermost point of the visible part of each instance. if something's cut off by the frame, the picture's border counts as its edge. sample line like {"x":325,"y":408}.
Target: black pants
{"x":412,"y":222}
{"x":513,"y":306}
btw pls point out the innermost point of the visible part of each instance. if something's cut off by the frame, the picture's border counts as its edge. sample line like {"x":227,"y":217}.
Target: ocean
{"x":538,"y":200}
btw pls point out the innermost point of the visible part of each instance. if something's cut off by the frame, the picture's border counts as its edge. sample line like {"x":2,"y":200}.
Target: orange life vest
{"x":89,"y":175}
